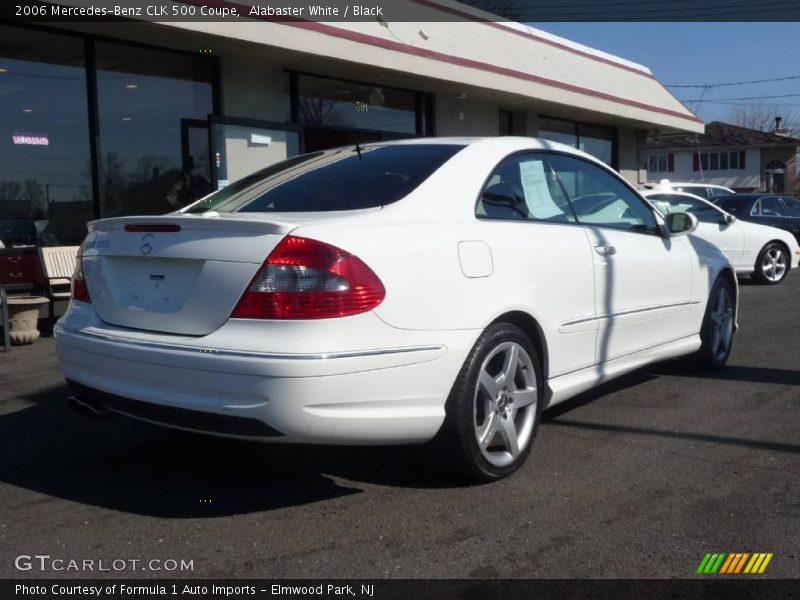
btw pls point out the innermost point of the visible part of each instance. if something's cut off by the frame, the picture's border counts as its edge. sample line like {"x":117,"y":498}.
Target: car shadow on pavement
{"x":681,"y":435}
{"x":615,"y":385}
{"x":679,"y":368}
{"x":729,"y":373}
{"x":131,"y":466}
{"x":135,"y":467}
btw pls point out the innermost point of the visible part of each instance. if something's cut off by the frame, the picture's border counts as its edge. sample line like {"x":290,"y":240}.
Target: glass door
{"x":240,"y":147}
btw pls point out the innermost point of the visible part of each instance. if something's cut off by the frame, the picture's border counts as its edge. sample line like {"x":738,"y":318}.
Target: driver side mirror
{"x":727,"y":219}
{"x":680,"y":223}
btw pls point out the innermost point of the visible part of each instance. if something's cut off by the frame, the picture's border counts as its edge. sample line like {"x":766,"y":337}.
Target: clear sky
{"x":701,"y":54}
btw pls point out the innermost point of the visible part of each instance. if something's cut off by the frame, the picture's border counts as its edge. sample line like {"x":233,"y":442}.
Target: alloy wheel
{"x":773,"y":264}
{"x":505,"y":403}
{"x":721,"y":323}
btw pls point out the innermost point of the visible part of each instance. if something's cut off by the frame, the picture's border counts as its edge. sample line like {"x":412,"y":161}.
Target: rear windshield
{"x":341,"y":179}
{"x":718,"y":192}
{"x":701,"y":191}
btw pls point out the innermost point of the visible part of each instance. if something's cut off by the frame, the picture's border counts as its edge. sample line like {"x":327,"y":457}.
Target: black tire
{"x":776,"y":256}
{"x":468,"y":407}
{"x":712,"y":355}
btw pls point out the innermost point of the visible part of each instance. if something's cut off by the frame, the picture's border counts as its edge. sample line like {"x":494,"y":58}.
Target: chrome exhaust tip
{"x":87,"y":407}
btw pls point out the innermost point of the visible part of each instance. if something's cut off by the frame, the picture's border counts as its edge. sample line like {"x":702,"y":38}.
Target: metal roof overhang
{"x":514,"y":65}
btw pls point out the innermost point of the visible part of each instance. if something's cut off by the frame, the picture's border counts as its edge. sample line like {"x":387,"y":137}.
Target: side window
{"x":600,"y":198}
{"x":666,"y":203}
{"x":772,"y":207}
{"x":524,"y":188}
{"x":792,"y":207}
{"x":705,"y":213}
{"x":701,"y":191}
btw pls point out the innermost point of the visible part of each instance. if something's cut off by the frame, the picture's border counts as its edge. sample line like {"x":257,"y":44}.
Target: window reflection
{"x":323,"y":101}
{"x":153,"y":109}
{"x":45,"y":184}
{"x":555,"y":130}
{"x":592,"y":139}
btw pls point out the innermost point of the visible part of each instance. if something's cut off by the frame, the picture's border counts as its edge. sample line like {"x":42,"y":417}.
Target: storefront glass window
{"x":45,"y":168}
{"x":597,"y":141}
{"x":563,"y":132}
{"x":592,"y":139}
{"x":336,"y":103}
{"x":153,"y":117}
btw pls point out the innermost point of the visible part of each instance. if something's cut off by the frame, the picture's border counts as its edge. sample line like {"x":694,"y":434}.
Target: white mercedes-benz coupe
{"x":443,"y":290}
{"x":766,"y":253}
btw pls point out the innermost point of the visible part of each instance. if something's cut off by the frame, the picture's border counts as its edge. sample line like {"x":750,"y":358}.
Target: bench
{"x":58,"y":265}
{"x":4,"y":323}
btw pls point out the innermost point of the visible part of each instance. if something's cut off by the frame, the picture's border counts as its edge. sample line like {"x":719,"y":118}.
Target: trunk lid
{"x":178,"y":274}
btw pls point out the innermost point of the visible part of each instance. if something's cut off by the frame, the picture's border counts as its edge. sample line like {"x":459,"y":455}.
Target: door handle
{"x":605,"y":250}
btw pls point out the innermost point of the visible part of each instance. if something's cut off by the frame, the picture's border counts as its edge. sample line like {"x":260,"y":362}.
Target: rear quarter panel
{"x":544,"y":270}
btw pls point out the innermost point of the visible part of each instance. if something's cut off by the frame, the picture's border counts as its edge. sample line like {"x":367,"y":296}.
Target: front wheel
{"x":718,"y":326}
{"x":772,"y":264}
{"x":494,"y":407}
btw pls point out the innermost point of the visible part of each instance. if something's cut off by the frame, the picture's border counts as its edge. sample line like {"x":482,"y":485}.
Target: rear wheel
{"x":772,"y":264}
{"x":493,"y":410}
{"x":718,"y":326}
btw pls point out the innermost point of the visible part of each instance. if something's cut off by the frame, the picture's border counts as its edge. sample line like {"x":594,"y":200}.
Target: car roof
{"x":669,"y":192}
{"x":740,"y":198}
{"x":514,"y":143}
{"x":697,"y":183}
{"x":748,"y":196}
{"x":670,"y":184}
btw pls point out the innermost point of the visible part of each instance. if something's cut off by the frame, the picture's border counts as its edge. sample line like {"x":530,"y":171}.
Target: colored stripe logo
{"x":749,"y":563}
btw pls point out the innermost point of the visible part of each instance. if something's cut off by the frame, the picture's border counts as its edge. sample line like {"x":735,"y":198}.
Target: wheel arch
{"x":528,"y":324}
{"x":728,"y":274}
{"x":786,"y":249}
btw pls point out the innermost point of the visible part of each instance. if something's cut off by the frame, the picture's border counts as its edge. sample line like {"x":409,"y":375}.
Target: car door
{"x":643,"y":280}
{"x":769,"y":210}
{"x":793,"y":211}
{"x":541,"y":255}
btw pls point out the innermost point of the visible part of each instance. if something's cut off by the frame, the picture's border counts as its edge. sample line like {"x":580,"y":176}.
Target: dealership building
{"x":134,"y":117}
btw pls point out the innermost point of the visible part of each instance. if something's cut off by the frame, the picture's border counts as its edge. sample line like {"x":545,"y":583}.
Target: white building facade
{"x":736,"y":157}
{"x":140,"y":117}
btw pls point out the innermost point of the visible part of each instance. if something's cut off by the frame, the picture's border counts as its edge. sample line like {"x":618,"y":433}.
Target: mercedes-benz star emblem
{"x":146,"y":247}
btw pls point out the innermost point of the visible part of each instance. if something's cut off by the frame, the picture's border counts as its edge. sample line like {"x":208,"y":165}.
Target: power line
{"x":744,"y":98}
{"x":601,"y":8}
{"x":714,"y":85}
{"x":535,"y":13}
{"x":766,"y":104}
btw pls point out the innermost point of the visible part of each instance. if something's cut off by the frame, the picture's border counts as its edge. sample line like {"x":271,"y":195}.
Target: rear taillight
{"x":79,"y":290}
{"x":307,"y":279}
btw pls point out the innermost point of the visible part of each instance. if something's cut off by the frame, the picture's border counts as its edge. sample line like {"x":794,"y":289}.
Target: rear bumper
{"x":393,"y":395}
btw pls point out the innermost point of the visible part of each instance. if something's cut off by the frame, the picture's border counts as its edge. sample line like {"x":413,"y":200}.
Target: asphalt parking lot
{"x":637,"y":479}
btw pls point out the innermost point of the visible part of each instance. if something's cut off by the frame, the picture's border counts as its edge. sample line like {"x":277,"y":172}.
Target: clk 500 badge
{"x":97,"y":244}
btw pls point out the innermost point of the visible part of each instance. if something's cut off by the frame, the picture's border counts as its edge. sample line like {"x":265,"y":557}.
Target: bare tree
{"x":762,"y":117}
{"x":33,"y":192}
{"x":318,"y":111}
{"x":10,"y":190}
